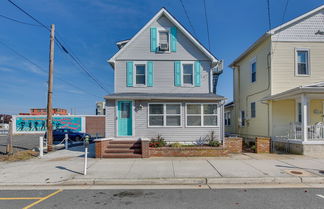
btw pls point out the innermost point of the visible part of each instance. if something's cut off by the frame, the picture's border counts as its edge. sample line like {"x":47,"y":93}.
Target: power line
{"x":282,"y":21}
{"x":207,"y":24}
{"x":18,"y":21}
{"x":193,"y":30}
{"x":42,"y":69}
{"x":73,"y":57}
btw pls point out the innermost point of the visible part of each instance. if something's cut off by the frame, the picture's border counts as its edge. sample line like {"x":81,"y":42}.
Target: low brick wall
{"x":188,"y":152}
{"x":100,"y":148}
{"x":233,"y":144}
{"x":263,"y":145}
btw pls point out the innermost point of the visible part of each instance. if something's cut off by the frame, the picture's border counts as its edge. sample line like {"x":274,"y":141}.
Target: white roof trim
{"x":163,"y":11}
{"x":274,"y":31}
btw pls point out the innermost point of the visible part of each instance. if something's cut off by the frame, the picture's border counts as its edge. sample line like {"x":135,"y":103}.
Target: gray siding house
{"x":163,"y":86}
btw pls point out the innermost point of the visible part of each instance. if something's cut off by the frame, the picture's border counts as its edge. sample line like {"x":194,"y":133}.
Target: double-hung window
{"x":168,"y":114}
{"x":164,"y":40}
{"x":140,"y":74}
{"x":227,"y":119}
{"x":242,"y":118}
{"x":199,"y":115}
{"x":253,"y":70}
{"x":302,"y":62}
{"x":187,"y":73}
{"x":299,"y":112}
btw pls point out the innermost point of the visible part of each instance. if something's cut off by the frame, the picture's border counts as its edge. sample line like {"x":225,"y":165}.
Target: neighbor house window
{"x":140,"y":74}
{"x":302,"y":62}
{"x":202,"y":115}
{"x":253,"y":70}
{"x":165,"y":115}
{"x":253,"y":110}
{"x":164,"y":40}
{"x":242,"y":118}
{"x":227,"y":118}
{"x":187,"y":73}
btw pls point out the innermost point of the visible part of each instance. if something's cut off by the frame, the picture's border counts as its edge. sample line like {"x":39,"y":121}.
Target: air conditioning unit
{"x":164,"y":47}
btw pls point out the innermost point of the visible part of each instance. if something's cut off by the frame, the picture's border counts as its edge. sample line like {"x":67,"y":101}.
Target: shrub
{"x":176,"y":144}
{"x":158,"y":141}
{"x":214,"y":143}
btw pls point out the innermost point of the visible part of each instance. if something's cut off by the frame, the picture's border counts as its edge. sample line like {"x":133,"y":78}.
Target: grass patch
{"x":18,"y":156}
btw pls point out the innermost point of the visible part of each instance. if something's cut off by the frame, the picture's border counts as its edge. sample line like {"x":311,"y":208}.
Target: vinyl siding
{"x":283,"y":113}
{"x":140,"y":47}
{"x":247,"y":92}
{"x":163,"y":79}
{"x":185,"y":134}
{"x":283,"y":65}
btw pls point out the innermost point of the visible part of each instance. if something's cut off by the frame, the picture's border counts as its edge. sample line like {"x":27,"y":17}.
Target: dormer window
{"x":164,"y":40}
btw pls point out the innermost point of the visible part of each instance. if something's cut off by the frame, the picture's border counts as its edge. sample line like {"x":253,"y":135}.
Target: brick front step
{"x":121,"y":146}
{"x":125,"y":142}
{"x":136,"y":151}
{"x":121,"y":155}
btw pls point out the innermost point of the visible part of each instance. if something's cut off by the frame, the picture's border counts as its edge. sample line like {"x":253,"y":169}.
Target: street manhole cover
{"x":321,"y":171}
{"x":296,"y":172}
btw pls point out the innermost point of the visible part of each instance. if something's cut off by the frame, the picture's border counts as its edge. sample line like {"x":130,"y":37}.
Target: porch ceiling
{"x":314,"y":92}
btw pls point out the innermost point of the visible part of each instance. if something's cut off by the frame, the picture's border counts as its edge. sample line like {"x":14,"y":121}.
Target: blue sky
{"x":91,"y":28}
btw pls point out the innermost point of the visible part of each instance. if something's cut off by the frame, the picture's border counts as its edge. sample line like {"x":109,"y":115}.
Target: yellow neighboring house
{"x":279,"y":86}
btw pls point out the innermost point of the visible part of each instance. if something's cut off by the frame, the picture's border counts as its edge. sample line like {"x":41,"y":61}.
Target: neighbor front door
{"x":124,"y":117}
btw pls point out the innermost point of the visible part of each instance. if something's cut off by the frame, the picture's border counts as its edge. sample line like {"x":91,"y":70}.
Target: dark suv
{"x":59,"y":134}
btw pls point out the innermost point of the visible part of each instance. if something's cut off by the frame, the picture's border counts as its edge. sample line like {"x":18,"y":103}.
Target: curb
{"x":177,"y":181}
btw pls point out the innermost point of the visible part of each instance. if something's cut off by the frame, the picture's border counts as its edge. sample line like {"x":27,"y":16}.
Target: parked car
{"x":59,"y":134}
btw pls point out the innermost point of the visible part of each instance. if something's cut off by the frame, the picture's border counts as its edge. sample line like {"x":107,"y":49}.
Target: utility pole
{"x":50,"y":92}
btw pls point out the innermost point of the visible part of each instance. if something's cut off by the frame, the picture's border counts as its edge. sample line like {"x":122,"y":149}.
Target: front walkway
{"x":66,"y":167}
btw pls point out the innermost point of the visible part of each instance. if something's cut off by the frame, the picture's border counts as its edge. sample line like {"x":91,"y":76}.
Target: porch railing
{"x":314,"y":132}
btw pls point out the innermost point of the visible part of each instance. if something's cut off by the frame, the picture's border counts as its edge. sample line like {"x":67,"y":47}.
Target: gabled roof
{"x":274,"y":31}
{"x":164,"y":12}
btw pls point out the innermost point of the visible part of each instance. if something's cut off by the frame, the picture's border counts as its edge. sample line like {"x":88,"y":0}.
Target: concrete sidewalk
{"x":65,"y":167}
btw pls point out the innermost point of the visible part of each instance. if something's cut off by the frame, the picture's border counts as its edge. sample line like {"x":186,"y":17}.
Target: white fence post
{"x":66,"y":141}
{"x":41,"y":146}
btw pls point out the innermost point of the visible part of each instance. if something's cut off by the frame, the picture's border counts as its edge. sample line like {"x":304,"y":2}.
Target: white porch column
{"x":304,"y":107}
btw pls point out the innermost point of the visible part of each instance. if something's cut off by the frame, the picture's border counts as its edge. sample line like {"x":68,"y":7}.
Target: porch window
{"x":302,"y":62}
{"x":253,"y":110}
{"x":187,"y":73}
{"x":140,"y":74}
{"x":165,"y":115}
{"x":199,"y":115}
{"x":299,"y":112}
{"x":227,"y":119}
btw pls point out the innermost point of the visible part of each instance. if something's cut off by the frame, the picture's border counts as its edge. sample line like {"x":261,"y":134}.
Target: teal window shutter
{"x":197,"y":73}
{"x":173,"y":39}
{"x":177,"y":73}
{"x":150,"y":73}
{"x":153,"y":39}
{"x":129,"y":74}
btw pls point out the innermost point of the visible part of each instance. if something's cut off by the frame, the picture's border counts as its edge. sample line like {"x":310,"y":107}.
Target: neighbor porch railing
{"x":314,"y":132}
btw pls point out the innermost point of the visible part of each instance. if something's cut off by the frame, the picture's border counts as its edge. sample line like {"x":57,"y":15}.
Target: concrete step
{"x":121,"y":146}
{"x":121,"y":155}
{"x":125,"y":142}
{"x":135,"y":151}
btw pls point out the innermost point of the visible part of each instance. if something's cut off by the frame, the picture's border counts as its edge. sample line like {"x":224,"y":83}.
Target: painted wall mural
{"x":38,"y":124}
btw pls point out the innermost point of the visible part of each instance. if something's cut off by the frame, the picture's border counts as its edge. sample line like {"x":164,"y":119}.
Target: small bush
{"x":176,"y":144}
{"x":158,"y":141}
{"x":214,"y":143}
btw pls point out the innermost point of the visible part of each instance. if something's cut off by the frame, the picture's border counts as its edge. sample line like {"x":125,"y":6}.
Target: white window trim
{"x":193,"y":73}
{"x":308,"y":62}
{"x":164,"y":114}
{"x":202,"y":115}
{"x":134,"y":73}
{"x":252,"y":61}
{"x":227,"y":115}
{"x":158,"y":39}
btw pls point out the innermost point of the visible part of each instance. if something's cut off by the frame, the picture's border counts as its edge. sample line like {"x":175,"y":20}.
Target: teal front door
{"x":124,"y":117}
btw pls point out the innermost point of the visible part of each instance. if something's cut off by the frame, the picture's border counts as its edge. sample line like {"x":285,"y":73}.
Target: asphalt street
{"x":164,"y":199}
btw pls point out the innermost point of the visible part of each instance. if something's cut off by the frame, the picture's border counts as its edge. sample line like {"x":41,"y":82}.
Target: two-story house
{"x":163,"y":86}
{"x":279,"y":85}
